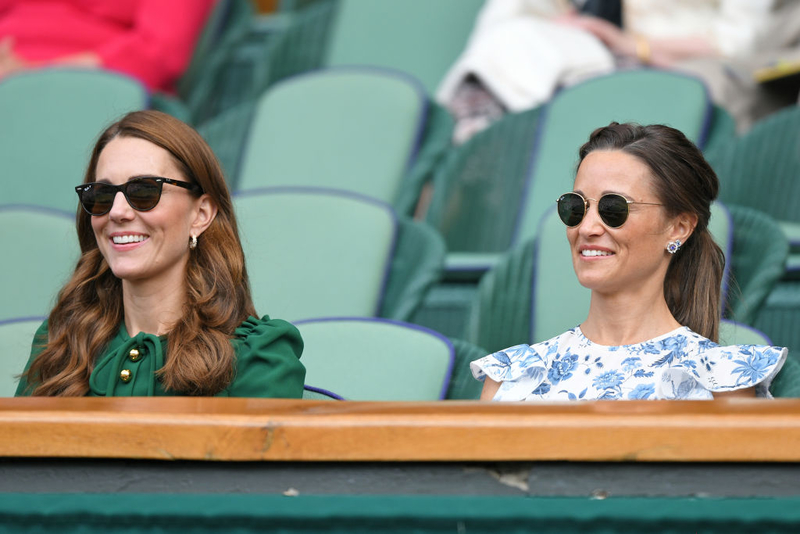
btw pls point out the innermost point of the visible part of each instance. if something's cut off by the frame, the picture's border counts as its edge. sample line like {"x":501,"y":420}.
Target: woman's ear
{"x":683,"y":226}
{"x":206,"y":212}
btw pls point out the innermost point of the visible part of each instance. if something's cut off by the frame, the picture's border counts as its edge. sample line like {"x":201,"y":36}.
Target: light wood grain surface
{"x":730,"y":430}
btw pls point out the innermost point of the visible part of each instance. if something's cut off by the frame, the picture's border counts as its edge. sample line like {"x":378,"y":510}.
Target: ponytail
{"x":692,"y":287}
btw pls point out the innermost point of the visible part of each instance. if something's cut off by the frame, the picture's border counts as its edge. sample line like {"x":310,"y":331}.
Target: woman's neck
{"x":152,"y":308}
{"x":623,"y":319}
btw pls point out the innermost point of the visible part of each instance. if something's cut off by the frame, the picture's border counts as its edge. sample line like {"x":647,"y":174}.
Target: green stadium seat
{"x":200,"y":91}
{"x":50,"y":120}
{"x":376,"y":359}
{"x":40,"y":251}
{"x":733,"y":333}
{"x":760,"y":169}
{"x":314,"y":393}
{"x":372,"y":132}
{"x":417,"y":37}
{"x":463,"y":385}
{"x":16,"y":337}
{"x":420,"y":37}
{"x":352,"y":129}
{"x":314,"y":253}
{"x":780,"y":316}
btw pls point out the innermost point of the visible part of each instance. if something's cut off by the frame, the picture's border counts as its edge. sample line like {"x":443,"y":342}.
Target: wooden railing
{"x":731,"y":430}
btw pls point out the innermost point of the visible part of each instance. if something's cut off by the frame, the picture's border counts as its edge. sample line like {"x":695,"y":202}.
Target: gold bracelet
{"x":643,"y":52}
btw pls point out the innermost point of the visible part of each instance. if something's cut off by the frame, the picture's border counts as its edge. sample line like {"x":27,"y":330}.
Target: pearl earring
{"x":193,"y":242}
{"x":674,"y":246}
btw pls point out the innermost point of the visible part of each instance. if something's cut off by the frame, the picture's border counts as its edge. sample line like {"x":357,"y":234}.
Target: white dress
{"x":678,"y":365}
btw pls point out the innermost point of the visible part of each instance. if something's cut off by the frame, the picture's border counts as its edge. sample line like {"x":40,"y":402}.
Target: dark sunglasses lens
{"x":143,"y":194}
{"x":571,"y":209}
{"x":613,"y":210}
{"x":98,"y":198}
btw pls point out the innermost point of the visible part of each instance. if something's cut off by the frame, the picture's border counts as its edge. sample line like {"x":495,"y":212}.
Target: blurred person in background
{"x":521,"y":51}
{"x":150,"y":40}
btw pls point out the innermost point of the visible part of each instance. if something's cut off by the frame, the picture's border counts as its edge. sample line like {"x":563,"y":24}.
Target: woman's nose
{"x":591,"y":224}
{"x":120,"y":209}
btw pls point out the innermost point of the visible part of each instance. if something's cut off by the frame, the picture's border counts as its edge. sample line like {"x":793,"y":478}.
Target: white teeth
{"x":596,"y":253}
{"x":123,"y":239}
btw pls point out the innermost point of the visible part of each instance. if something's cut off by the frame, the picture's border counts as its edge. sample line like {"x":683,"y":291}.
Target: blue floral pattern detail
{"x":609,"y":380}
{"x":678,"y":365}
{"x":561,"y":368}
{"x":643,"y":391}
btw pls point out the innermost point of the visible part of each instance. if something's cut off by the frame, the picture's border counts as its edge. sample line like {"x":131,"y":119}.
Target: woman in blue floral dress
{"x":637,"y":224}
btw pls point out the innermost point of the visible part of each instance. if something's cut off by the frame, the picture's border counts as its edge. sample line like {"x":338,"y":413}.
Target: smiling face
{"x":632,"y":257}
{"x":145,"y":246}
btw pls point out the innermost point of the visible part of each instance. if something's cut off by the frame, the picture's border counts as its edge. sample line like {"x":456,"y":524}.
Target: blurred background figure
{"x":521,"y":51}
{"x":150,"y":40}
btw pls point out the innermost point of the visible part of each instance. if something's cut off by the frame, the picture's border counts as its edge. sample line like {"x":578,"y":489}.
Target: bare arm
{"x":490,"y":387}
{"x":11,"y":62}
{"x":660,"y":52}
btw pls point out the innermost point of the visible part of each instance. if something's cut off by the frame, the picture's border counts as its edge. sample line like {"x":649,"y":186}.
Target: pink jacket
{"x":151,"y":40}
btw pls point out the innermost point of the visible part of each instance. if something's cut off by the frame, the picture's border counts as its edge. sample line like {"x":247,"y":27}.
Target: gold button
{"x":126,"y":375}
{"x":134,"y":355}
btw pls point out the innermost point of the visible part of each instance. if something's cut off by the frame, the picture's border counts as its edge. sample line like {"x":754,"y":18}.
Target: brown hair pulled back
{"x":684,"y":183}
{"x":200,"y":358}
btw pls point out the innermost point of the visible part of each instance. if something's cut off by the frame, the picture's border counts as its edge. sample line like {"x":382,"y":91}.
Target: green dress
{"x":267,"y":363}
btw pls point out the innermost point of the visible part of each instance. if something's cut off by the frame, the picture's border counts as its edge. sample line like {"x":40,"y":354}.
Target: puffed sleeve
{"x":723,"y":368}
{"x":521,"y":369}
{"x":267,"y":360}
{"x":37,"y":346}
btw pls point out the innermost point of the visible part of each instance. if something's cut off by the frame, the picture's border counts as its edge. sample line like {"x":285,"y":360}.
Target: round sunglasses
{"x":612,"y":207}
{"x":142,"y":194}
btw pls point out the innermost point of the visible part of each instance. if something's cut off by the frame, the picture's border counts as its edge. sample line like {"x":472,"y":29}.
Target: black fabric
{"x":610,"y":10}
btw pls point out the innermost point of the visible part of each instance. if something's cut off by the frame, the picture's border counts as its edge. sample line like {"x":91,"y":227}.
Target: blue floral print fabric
{"x":678,"y":365}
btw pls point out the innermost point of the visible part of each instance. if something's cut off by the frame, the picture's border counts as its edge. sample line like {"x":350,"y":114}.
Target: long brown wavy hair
{"x":200,"y":358}
{"x":684,"y":183}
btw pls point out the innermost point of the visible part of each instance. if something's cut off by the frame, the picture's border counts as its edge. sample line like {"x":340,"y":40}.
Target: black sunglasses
{"x":612,"y":207}
{"x":142,"y":194}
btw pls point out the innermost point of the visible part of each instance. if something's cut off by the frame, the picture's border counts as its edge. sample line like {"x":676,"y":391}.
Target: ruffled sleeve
{"x":520,"y":369}
{"x":717,"y":369}
{"x":267,"y":360}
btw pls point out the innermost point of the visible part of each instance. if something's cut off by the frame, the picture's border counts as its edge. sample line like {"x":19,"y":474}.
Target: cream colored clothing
{"x":522,"y":54}
{"x":732,"y":26}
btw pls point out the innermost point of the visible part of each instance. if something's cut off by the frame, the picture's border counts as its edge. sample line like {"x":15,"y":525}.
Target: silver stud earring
{"x":193,"y":242}
{"x":674,"y":246}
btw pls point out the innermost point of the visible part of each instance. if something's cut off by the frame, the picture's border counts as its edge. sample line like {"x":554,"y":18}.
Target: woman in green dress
{"x":159,"y":302}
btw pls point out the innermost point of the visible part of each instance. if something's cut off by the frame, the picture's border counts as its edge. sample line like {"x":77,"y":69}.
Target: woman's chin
{"x":594,"y":283}
{"x":126,"y":273}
